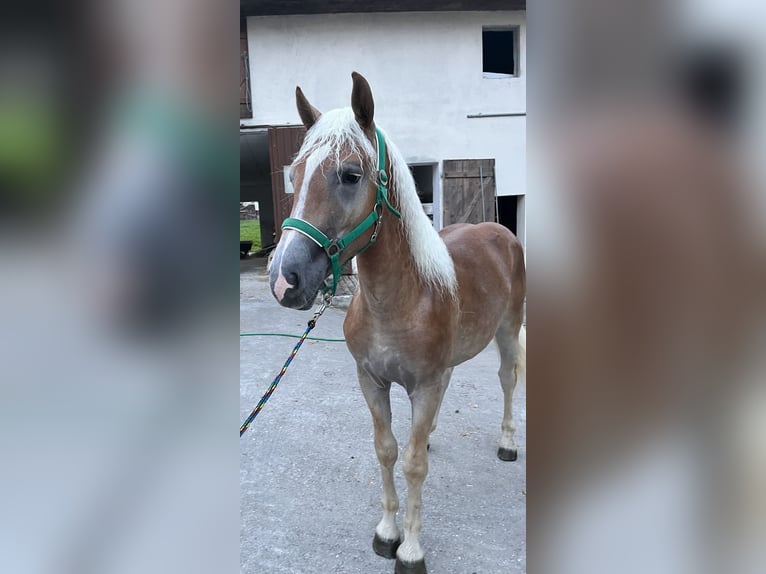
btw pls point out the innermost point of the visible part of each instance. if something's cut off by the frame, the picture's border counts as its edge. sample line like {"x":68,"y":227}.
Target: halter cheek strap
{"x":335,"y":248}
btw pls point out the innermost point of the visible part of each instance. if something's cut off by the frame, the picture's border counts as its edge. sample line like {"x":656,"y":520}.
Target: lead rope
{"x":273,"y":386}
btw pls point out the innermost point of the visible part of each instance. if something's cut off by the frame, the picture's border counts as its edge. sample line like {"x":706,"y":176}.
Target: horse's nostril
{"x":292,"y":279}
{"x":284,"y":282}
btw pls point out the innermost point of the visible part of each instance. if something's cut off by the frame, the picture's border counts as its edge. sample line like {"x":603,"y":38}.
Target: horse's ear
{"x":361,"y":101}
{"x":308,"y":113}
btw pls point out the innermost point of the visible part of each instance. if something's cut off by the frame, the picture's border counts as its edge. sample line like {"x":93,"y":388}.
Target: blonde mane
{"x":338,"y":130}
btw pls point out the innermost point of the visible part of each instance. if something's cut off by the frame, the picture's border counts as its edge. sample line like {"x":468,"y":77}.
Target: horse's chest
{"x":398,"y":356}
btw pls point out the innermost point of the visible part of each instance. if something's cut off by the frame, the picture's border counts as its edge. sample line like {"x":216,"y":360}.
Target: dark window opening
{"x":712,"y":81}
{"x":499,"y":51}
{"x":506,"y":211}
{"x":424,"y":183}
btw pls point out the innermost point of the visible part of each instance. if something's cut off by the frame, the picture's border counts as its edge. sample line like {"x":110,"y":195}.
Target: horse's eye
{"x":350,"y":178}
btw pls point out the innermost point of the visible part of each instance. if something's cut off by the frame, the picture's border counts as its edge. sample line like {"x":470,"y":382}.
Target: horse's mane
{"x":338,"y":130}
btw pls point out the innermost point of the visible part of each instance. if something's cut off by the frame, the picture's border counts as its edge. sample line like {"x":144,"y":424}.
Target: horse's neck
{"x":386,"y":271}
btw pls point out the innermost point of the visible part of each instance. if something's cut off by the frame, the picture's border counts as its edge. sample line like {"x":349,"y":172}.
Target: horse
{"x":426,"y":301}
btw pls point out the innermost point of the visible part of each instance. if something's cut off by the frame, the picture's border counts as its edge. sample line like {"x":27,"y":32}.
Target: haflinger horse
{"x":426,"y":301}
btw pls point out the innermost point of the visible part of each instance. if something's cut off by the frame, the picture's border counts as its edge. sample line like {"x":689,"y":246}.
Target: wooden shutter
{"x":284,"y":143}
{"x":463,"y":182}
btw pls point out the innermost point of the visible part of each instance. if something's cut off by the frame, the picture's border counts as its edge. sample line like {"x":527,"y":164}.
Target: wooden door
{"x":464,"y":180}
{"x":284,"y":143}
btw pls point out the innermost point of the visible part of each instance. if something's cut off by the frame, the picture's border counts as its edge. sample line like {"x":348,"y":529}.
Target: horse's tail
{"x":518,"y":296}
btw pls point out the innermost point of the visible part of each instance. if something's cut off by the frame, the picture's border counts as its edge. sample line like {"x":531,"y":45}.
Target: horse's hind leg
{"x":445,"y":383}
{"x":507,"y":338}
{"x":378,"y":397}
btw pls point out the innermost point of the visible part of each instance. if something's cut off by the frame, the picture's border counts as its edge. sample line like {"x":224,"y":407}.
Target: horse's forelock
{"x":338,"y":135}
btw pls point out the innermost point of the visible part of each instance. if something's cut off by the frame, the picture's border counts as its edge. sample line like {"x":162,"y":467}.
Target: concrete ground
{"x":310,"y":481}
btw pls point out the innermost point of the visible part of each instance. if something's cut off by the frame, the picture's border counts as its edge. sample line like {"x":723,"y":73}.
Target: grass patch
{"x":250,"y":230}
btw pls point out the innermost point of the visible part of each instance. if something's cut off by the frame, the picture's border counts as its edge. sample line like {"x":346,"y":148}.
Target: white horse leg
{"x":377,"y":395}
{"x":425,"y":402}
{"x":507,"y":338}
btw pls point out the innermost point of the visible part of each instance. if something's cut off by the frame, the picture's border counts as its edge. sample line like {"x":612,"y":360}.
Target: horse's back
{"x":486,"y":248}
{"x":489,"y":264}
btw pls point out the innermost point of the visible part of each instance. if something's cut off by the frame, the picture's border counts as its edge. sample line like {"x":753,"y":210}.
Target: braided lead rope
{"x":273,"y":386}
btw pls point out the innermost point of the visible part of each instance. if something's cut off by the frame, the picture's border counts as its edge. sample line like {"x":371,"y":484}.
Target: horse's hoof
{"x":385,"y":548}
{"x":507,"y":454}
{"x":418,"y":567}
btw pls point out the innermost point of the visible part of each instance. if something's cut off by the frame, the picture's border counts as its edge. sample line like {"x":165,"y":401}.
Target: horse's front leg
{"x":377,"y":394}
{"x":425,"y":404}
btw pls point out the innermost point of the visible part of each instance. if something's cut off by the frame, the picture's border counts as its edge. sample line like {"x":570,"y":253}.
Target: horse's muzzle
{"x":297,"y":273}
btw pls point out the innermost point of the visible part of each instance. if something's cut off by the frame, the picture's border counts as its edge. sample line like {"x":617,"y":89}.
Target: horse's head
{"x":335,"y":178}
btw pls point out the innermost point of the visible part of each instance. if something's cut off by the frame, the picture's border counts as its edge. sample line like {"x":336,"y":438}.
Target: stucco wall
{"x":425,"y":70}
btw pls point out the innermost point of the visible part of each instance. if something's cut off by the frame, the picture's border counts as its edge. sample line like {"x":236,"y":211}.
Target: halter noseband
{"x":334,"y":248}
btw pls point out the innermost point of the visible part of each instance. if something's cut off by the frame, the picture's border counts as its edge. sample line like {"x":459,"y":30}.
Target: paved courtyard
{"x":310,"y":482}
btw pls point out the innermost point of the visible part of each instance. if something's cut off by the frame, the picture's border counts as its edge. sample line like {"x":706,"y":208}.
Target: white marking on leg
{"x":510,"y":357}
{"x":387,"y":451}
{"x":506,"y":438}
{"x":387,"y":529}
{"x":508,"y":381}
{"x":415,"y":470}
{"x":379,"y":401}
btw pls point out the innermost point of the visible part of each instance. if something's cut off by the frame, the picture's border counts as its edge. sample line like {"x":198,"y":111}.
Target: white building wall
{"x":425,"y":70}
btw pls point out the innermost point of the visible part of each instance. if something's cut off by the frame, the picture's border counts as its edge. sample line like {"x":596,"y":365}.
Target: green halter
{"x":335,"y":247}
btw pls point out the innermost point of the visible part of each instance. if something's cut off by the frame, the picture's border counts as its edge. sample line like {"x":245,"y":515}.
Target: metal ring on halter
{"x":333,"y":248}
{"x":379,"y":211}
{"x":374,"y":236}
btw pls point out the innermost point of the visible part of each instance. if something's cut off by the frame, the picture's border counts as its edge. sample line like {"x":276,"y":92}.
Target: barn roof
{"x":283,"y":7}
